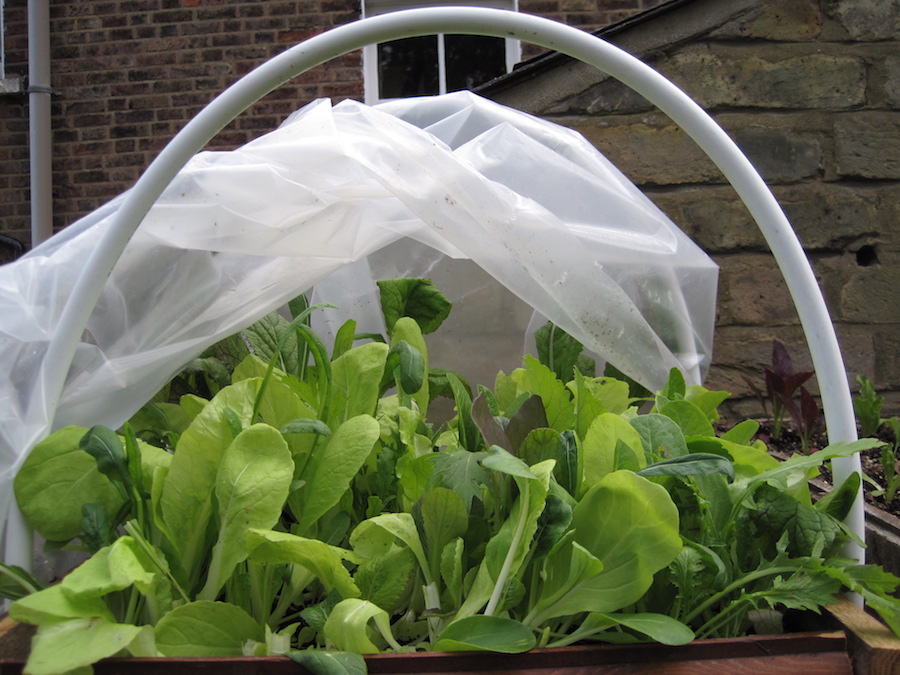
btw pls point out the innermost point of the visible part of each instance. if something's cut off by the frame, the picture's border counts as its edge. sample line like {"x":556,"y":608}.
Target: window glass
{"x":473,"y":59}
{"x":408,"y":67}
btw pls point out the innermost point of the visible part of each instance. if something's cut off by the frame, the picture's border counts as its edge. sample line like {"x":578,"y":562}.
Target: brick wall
{"x":131,"y":73}
{"x":810,"y":90}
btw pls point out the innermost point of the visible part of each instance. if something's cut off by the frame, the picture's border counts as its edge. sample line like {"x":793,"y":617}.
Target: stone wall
{"x":130,"y":73}
{"x":810,"y":90}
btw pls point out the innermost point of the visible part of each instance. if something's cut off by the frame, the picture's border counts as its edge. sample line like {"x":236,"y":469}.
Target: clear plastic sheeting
{"x":492,"y":203}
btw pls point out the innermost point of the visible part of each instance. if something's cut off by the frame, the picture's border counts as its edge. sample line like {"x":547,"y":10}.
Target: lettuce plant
{"x":311,"y":508}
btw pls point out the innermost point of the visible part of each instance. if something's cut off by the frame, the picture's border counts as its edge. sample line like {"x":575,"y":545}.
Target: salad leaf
{"x":330,"y":471}
{"x":186,"y":501}
{"x":485,"y":633}
{"x":252,"y":484}
{"x":322,"y":560}
{"x":347,"y":624}
{"x":56,"y":479}
{"x":541,"y":381}
{"x":205,"y":628}
{"x":322,"y":662}
{"x":416,"y":298}
{"x":356,"y":382}
{"x":67,"y":645}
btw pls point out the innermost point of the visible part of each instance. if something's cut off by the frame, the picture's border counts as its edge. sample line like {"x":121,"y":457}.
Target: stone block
{"x":648,"y":150}
{"x":830,"y":216}
{"x":892,"y":81}
{"x":776,"y":20}
{"x":745,"y":77}
{"x":752,"y":292}
{"x":741,"y":353}
{"x":872,"y":295}
{"x":865,"y":19}
{"x":609,"y":96}
{"x":714,"y":217}
{"x":867,"y":145}
{"x":780,"y":155}
{"x":886,"y":372}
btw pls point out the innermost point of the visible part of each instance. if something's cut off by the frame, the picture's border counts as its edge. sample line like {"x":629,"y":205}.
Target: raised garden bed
{"x":811,"y":653}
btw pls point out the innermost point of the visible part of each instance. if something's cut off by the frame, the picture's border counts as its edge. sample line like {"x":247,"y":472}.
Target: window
{"x":433,"y":64}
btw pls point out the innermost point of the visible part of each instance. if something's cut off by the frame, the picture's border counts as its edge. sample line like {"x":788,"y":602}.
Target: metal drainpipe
{"x":39,"y":93}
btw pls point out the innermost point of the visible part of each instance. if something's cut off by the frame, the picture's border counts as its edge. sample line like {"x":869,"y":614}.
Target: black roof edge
{"x":526,"y":70}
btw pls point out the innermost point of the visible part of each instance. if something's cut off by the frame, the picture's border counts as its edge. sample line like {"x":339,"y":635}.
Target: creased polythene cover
{"x":530,"y":205}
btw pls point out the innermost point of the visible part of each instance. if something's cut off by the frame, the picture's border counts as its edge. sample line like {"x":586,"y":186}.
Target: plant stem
{"x":500,"y":585}
{"x":735,"y":585}
{"x":152,"y":553}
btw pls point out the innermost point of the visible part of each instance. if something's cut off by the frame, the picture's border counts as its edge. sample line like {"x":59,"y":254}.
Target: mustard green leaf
{"x":356,"y":382}
{"x":557,"y":350}
{"x":462,"y":472}
{"x":690,"y":419}
{"x":252,"y":485}
{"x":332,"y":468}
{"x":407,"y":330}
{"x":541,"y":381}
{"x":630,"y":526}
{"x":498,"y":459}
{"x":64,"y":646}
{"x":610,"y":444}
{"x":658,"y":627}
{"x":695,"y":464}
{"x":186,"y":500}
{"x":327,"y":662}
{"x":347,"y":626}
{"x":54,"y":604}
{"x":742,"y":433}
{"x":56,"y":479}
{"x":374,"y":537}
{"x":269,"y":337}
{"x":205,"y":628}
{"x":660,"y":435}
{"x":481,"y":633}
{"x":106,"y":448}
{"x":112,"y":568}
{"x":707,"y":401}
{"x":442,"y":517}
{"x":321,"y":559}
{"x":384,"y":581}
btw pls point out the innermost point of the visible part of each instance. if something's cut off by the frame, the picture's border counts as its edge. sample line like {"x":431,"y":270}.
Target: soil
{"x":789,"y":443}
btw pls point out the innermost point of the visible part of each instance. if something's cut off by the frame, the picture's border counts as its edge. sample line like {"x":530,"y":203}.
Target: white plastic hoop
{"x":786,"y":248}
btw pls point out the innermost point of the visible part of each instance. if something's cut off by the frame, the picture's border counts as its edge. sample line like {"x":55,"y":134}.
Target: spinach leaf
{"x":416,"y":298}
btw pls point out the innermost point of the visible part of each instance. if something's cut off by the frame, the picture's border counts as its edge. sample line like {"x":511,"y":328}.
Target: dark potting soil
{"x":789,"y":442}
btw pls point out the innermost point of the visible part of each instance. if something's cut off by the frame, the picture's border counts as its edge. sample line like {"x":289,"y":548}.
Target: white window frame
{"x":370,"y":52}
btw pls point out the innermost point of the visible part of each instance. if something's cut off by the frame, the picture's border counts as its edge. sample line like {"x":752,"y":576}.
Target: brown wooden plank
{"x":873,"y":648}
{"x":795,"y":654}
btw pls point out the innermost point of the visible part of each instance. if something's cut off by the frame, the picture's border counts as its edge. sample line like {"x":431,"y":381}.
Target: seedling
{"x":782,"y":384}
{"x":867,"y":406}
